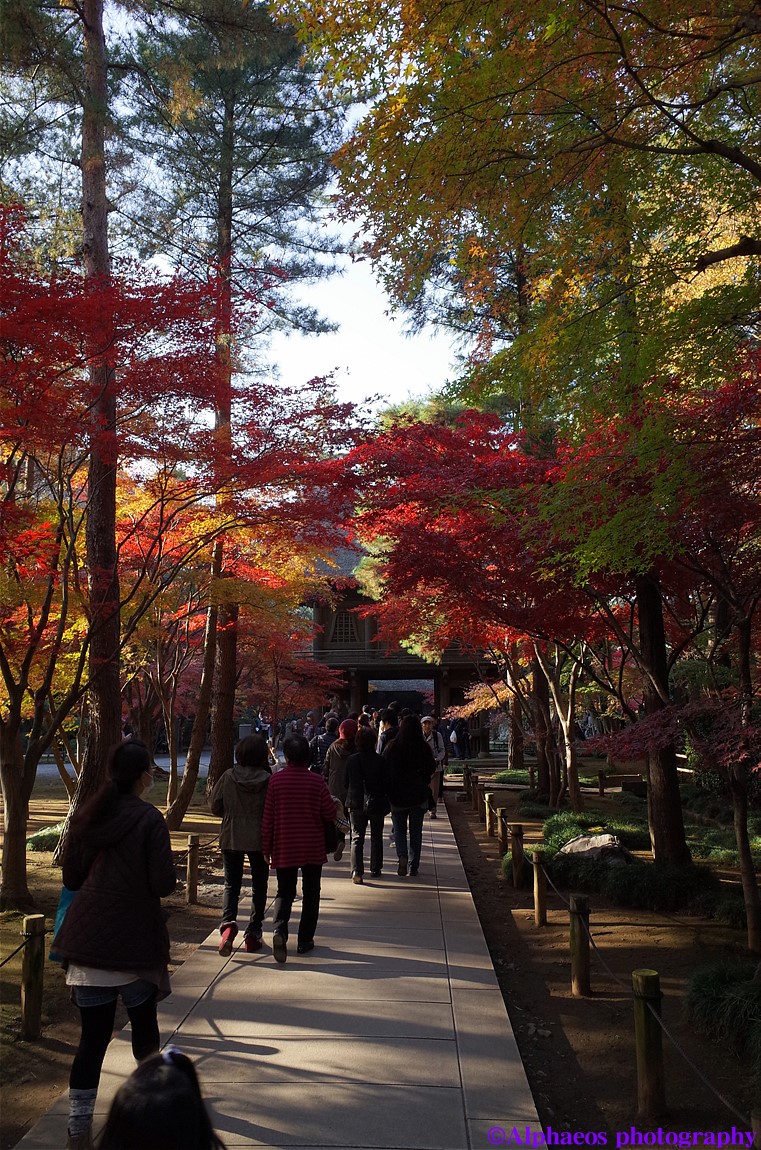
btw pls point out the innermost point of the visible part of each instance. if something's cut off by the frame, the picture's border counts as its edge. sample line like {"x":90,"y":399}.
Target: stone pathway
{"x":391,"y":1033}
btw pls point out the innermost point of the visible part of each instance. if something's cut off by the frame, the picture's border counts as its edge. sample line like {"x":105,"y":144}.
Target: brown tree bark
{"x":540,"y":707}
{"x":223,"y":697}
{"x":176,"y":811}
{"x":515,"y":742}
{"x":17,"y":788}
{"x":105,"y":695}
{"x":225,"y":680}
{"x":738,"y":780}
{"x":664,"y":804}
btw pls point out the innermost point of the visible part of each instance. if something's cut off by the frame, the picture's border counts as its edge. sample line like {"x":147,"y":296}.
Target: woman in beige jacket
{"x":239,"y":798}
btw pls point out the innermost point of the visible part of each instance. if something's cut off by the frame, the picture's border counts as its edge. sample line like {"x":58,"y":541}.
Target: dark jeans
{"x":232,"y":862}
{"x":310,"y":900}
{"x":359,"y":823}
{"x":401,"y":817}
{"x":97,"y":1028}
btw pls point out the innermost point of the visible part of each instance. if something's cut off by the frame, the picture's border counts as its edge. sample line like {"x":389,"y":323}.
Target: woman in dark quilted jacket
{"x":113,"y":940}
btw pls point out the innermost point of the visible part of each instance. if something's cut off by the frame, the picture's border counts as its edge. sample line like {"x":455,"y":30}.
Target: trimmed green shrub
{"x":45,"y":839}
{"x":531,"y":809}
{"x":649,"y":886}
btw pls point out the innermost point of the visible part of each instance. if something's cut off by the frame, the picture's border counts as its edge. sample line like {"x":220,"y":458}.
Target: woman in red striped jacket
{"x":297,"y":806}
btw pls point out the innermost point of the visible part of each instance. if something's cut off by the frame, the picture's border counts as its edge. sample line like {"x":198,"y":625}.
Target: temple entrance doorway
{"x":417,"y":694}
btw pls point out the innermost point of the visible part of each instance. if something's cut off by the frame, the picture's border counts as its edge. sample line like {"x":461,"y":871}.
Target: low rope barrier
{"x":14,"y":953}
{"x":516,"y":840}
{"x":674,"y":1041}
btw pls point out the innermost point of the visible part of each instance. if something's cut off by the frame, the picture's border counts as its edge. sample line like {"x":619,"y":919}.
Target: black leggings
{"x":97,"y":1029}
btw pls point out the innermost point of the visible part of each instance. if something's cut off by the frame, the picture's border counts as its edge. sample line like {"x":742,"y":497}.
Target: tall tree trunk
{"x":664,"y":804}
{"x":176,"y":812}
{"x":515,"y":744}
{"x":540,"y":707}
{"x":225,"y":680}
{"x":739,"y":787}
{"x":223,"y":702}
{"x":565,"y":707}
{"x":105,"y":697}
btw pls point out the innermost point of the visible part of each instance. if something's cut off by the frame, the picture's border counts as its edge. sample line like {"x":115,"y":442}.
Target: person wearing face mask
{"x":113,"y":941}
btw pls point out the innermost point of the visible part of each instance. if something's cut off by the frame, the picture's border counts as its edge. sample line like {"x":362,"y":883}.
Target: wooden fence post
{"x":531,"y":777}
{"x":489,"y":813}
{"x":579,"y":941}
{"x":540,"y":889}
{"x":466,"y":780}
{"x":502,"y":829}
{"x":601,"y":783}
{"x":191,"y":886}
{"x":516,"y":853}
{"x":32,"y":971}
{"x":474,"y":792}
{"x":651,"y":1096}
{"x":481,"y":804}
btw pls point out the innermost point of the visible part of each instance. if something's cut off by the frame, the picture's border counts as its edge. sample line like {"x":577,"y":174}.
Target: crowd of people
{"x":339,"y":777}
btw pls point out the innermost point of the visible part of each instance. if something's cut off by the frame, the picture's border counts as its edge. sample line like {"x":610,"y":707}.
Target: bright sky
{"x":369,"y":352}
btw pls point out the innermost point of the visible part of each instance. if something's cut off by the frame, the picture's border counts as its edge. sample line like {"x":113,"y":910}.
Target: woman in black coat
{"x":113,"y":940}
{"x":409,"y":766}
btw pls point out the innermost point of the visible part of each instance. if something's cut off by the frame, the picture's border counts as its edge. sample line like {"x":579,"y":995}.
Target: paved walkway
{"x":391,"y":1033}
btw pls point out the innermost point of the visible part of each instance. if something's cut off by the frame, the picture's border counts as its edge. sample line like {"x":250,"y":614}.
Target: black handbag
{"x":377,"y":805}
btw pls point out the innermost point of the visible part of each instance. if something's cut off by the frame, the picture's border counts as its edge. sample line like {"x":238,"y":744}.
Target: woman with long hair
{"x":113,"y":941}
{"x":409,"y":766}
{"x":366,"y":804}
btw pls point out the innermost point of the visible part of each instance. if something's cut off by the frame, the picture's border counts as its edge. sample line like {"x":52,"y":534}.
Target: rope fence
{"x":645,"y":984}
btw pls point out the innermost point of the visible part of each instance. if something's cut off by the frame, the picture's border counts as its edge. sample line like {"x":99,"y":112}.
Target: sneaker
{"x":375,"y":874}
{"x":228,"y":931}
{"x":305,"y":947}
{"x":434,"y":815}
{"x":338,"y":852}
{"x":357,"y":879}
{"x":253,"y":942}
{"x":279,"y":947}
{"x":413,"y":871}
{"x":402,"y":867}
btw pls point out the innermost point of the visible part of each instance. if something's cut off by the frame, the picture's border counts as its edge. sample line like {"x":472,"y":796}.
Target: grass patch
{"x":519,"y":777}
{"x":560,"y":828}
{"x":723,"y":1001}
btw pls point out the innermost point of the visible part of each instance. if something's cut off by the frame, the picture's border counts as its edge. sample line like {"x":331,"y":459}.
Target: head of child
{"x":160,"y":1107}
{"x":296,"y":751}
